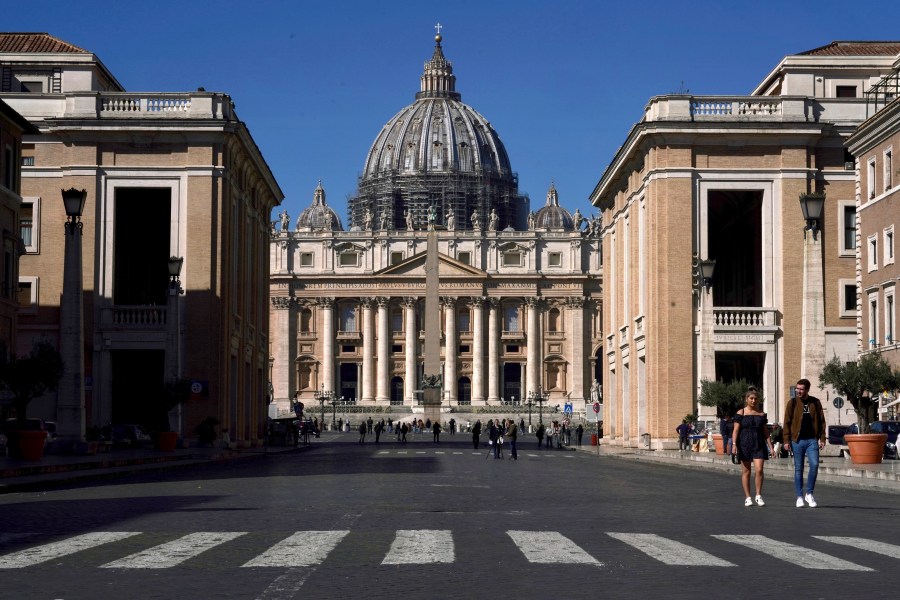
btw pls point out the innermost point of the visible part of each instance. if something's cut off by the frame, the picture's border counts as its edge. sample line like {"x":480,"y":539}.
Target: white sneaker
{"x":760,"y":501}
{"x":811,"y":501}
{"x":799,"y":502}
{"x":748,"y":501}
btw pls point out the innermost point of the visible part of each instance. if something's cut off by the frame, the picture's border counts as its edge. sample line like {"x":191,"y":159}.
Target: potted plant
{"x":174,"y":394}
{"x":859,"y":381}
{"x":27,"y":377}
{"x":728,"y":398}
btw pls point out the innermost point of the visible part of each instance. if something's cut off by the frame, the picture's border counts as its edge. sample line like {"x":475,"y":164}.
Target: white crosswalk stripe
{"x":669,"y":551}
{"x":798,"y":555}
{"x":303,"y":549}
{"x":39,"y":554}
{"x":550,"y":547}
{"x":864,"y":544}
{"x":174,"y":552}
{"x":417,"y":547}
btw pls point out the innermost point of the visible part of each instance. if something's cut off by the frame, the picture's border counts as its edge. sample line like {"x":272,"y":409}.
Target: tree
{"x":859,"y":381}
{"x":728,"y":398}
{"x":30,"y":376}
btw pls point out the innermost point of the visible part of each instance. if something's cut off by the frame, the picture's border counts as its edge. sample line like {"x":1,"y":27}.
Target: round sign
{"x":838,"y":402}
{"x":596,"y":407}
{"x":196,"y":387}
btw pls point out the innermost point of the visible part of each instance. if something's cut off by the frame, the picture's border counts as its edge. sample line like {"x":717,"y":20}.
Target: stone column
{"x":327,"y":337}
{"x":367,"y":394}
{"x":410,"y":351}
{"x":494,"y":351}
{"x":812,"y":347}
{"x":451,"y":348}
{"x":532,"y":368}
{"x":580,"y":379}
{"x":477,"y":305}
{"x":282,"y":343}
{"x":383,"y":378}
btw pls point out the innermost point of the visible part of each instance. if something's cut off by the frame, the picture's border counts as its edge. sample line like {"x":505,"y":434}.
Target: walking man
{"x":511,"y":432}
{"x":804,"y":430}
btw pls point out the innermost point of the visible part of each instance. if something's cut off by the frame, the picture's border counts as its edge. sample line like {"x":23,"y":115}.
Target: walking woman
{"x":751,"y":443}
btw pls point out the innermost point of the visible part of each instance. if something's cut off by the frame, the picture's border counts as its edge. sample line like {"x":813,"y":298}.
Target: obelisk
{"x":432,"y":382}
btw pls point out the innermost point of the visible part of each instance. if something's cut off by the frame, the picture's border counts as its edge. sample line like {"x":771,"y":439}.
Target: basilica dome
{"x":319,"y":215}
{"x":552,"y":215}
{"x":438,"y":151}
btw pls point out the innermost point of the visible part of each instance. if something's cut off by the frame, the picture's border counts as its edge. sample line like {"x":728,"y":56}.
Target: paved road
{"x":428,"y":521}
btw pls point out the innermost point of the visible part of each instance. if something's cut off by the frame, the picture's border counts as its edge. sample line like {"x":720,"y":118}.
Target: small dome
{"x":552,"y":215}
{"x":319,"y":215}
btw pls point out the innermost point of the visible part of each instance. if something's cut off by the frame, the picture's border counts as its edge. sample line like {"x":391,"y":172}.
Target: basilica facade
{"x":519,"y":291}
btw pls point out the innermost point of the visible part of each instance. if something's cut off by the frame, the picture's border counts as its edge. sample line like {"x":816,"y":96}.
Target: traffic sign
{"x":838,"y":402}
{"x":596,"y":407}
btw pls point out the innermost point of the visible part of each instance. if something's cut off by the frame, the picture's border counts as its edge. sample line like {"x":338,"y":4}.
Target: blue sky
{"x":562,"y":82}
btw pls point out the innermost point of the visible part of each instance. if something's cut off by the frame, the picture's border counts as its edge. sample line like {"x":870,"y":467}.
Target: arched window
{"x":553,"y":322}
{"x":511,"y":317}
{"x":348,"y":318}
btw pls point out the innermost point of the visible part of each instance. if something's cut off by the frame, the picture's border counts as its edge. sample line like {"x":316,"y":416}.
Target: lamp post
{"x":173,"y":327}
{"x":706,"y":269}
{"x":540,"y":397}
{"x":334,"y":404}
{"x":529,"y":404}
{"x":812,"y":341}
{"x":70,"y":410}
{"x":812,"y":206}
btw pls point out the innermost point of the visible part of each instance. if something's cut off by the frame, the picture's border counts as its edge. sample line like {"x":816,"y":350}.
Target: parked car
{"x":836,"y":434}
{"x":129,"y":435}
{"x":891,"y":428}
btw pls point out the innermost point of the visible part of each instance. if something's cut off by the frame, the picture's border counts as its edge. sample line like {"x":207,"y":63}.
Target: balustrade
{"x":744,"y":317}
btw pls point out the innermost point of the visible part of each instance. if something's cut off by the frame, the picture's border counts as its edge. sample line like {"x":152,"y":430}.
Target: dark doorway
{"x":512,"y":382}
{"x":397,"y":391}
{"x":464,"y":393}
{"x":141,"y":269}
{"x":737,"y":365}
{"x":348,"y":382}
{"x":735,"y":243}
{"x":598,"y":367}
{"x":137,"y":384}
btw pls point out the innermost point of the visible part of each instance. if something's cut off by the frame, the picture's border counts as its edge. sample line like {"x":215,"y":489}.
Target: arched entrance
{"x":397,"y":391}
{"x":512,"y":382}
{"x":348,"y":383}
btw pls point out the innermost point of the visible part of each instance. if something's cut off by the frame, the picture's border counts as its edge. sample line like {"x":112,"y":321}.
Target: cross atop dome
{"x":438,"y":80}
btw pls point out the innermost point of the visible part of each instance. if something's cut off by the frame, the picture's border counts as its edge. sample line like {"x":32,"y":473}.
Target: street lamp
{"x":812,"y":206}
{"x":70,"y":416}
{"x":540,"y":397}
{"x":173,"y":325}
{"x":529,"y":404}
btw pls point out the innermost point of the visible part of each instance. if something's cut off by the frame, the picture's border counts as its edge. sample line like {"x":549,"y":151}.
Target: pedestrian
{"x":369,"y":425}
{"x":522,"y":425}
{"x":428,"y":424}
{"x":726,"y":430}
{"x":511,"y":433}
{"x":452,"y":426}
{"x":777,"y":440}
{"x":751,"y":443}
{"x":362,"y":432}
{"x":341,"y":424}
{"x":404,"y":429}
{"x":476,"y":434}
{"x":683,"y":432}
{"x":804,"y":430}
{"x":540,"y":435}
{"x":436,"y":431}
{"x":379,"y":427}
{"x":390,"y":425}
{"x":579,"y":432}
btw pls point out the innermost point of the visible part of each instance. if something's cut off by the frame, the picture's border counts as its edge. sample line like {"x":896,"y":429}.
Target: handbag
{"x":734,"y":459}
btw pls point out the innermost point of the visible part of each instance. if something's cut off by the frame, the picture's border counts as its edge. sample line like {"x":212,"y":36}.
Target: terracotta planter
{"x":165,"y":441}
{"x":866,"y":448}
{"x":719,"y":443}
{"x":26,"y":445}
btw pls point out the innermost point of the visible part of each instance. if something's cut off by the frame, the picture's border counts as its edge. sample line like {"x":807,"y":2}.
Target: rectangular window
{"x":27,"y":161}
{"x":512,"y":348}
{"x":463,"y":320}
{"x":306,"y":259}
{"x":848,"y":227}
{"x":847,"y":297}
{"x":397,"y":321}
{"x":873,"y":252}
{"x":873,"y":320}
{"x":845,"y":91}
{"x":396,"y":257}
{"x":554,"y":259}
{"x":349,"y":259}
{"x":28,"y":295}
{"x":397,"y":348}
{"x":32,"y":87}
{"x":464,"y":348}
{"x":512,"y":259}
{"x":889,"y":317}
{"x":888,"y":243}
{"x":888,"y":166}
{"x":870,"y":177}
{"x":464,"y":257}
{"x":348,"y":349}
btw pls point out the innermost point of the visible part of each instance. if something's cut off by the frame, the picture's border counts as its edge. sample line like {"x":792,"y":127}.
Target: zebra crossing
{"x":419,"y":547}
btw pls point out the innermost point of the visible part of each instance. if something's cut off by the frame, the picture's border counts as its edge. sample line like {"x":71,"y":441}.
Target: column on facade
{"x":812,"y":345}
{"x":494,"y":351}
{"x":327,"y":337}
{"x":410,"y":350}
{"x":477,"y":305}
{"x":282,"y":357}
{"x":383,"y":379}
{"x":532,"y":382}
{"x":577,"y":358}
{"x":368,"y":335}
{"x":451,"y":348}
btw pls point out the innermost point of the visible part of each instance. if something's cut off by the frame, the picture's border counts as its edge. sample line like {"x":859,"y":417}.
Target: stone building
{"x":166,"y":175}
{"x":875,"y":145}
{"x":719,"y":178}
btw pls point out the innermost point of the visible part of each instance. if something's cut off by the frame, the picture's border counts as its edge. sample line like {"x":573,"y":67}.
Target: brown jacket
{"x":793,"y":417}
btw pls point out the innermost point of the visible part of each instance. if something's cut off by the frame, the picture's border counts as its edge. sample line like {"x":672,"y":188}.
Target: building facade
{"x":719,"y":178}
{"x":519,"y":313}
{"x":166,"y":175}
{"x":875,"y":145}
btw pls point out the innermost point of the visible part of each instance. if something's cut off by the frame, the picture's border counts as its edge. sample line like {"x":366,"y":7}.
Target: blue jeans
{"x":810,"y":449}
